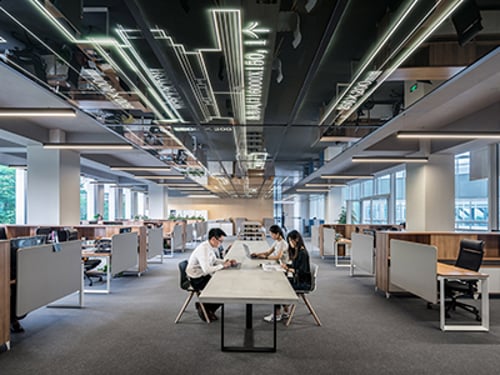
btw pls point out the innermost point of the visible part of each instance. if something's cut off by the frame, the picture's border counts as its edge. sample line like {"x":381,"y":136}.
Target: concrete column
{"x":99,"y":200}
{"x":334,"y":205}
{"x":128,"y":203}
{"x":158,"y":201}
{"x":430,"y":195}
{"x":53,"y":186}
{"x":133,"y":205}
{"x":112,"y":203}
{"x":119,"y":204}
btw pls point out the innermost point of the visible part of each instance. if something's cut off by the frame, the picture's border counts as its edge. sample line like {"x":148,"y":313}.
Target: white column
{"x":158,"y":201}
{"x":53,"y":186}
{"x":333,"y":205}
{"x":133,"y":204}
{"x":118,"y":209}
{"x":90,"y":200}
{"x":99,"y":200}
{"x":128,"y":204}
{"x":112,"y":203}
{"x":430,"y":194}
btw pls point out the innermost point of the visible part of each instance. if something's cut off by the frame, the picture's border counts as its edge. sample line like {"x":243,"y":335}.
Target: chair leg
{"x":311,"y":310}
{"x":184,"y":306}
{"x":292,"y":312}
{"x":207,"y":319}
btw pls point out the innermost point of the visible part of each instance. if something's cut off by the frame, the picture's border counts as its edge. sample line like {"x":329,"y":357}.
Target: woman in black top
{"x":299,"y":273}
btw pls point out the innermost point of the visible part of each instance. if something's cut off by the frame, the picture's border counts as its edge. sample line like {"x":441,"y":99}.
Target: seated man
{"x":203,"y":263}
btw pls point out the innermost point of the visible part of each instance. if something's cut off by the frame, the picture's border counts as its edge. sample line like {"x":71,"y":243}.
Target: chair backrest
{"x":470,"y":255}
{"x":314,"y":275}
{"x":185,"y":284}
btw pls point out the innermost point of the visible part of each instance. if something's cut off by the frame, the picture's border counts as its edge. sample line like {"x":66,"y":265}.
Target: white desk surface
{"x":249,"y":284}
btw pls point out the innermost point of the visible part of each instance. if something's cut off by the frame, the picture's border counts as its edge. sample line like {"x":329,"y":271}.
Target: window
{"x":471,"y":196}
{"x":7,"y":195}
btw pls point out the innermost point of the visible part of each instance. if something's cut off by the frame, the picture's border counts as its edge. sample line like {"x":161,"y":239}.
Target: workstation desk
{"x":415,"y":268}
{"x":248,"y":285}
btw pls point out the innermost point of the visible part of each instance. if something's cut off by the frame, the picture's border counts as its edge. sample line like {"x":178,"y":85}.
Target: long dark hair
{"x":276,"y":230}
{"x":299,"y":243}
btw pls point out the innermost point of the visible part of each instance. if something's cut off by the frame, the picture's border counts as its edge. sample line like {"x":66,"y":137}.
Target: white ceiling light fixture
{"x":346,"y":177}
{"x":156,"y":177}
{"x":132,"y":169}
{"x":324,"y":185}
{"x":87,"y":146}
{"x":389,"y":159}
{"x":447,"y":135}
{"x":312,"y":190}
{"x":37,"y":112}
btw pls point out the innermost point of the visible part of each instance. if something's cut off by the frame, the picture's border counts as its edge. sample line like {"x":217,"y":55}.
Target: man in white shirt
{"x":203,"y":263}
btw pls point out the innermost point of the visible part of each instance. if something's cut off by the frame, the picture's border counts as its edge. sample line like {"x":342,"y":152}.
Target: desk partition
{"x":45,"y":275}
{"x":155,"y":243}
{"x":123,"y":252}
{"x":414,"y":267}
{"x":362,"y":254}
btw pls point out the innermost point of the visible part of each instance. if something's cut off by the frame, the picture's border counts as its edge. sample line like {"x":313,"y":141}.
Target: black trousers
{"x":199,"y":283}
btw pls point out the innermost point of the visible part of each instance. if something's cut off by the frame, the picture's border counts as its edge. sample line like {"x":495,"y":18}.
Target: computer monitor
{"x":125,"y":230}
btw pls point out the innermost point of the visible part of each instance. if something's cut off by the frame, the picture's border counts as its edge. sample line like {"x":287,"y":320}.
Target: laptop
{"x":247,"y":250}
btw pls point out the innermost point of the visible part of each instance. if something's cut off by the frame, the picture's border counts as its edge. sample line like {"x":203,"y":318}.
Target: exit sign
{"x":414,"y":87}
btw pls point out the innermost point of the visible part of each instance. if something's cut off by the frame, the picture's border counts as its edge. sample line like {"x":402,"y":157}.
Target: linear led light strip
{"x":388,"y":159}
{"x":122,"y":33}
{"x":103,"y":41}
{"x":228,"y":30}
{"x":370,"y":58}
{"x":346,"y":177}
{"x":448,"y":135}
{"x":449,"y":9}
{"x":181,"y":55}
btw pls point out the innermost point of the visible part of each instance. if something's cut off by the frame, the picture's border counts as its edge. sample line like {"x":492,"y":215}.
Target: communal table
{"x":249,"y":284}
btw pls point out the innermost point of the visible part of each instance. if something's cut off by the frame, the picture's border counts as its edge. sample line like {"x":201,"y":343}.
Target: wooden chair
{"x":303,"y":294}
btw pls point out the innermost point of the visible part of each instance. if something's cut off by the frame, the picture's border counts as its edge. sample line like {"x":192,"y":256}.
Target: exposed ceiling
{"x":237,"y":95}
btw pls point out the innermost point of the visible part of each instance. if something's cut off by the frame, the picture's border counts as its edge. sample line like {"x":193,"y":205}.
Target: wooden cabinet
{"x":447,"y":244}
{"x":5,"y":293}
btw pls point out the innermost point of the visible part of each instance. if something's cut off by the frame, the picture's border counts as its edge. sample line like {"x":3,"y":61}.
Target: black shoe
{"x":200,"y":311}
{"x":16,"y":328}
{"x":212,"y":316}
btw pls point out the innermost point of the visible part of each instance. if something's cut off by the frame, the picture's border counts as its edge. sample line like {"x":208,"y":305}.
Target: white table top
{"x":249,"y":284}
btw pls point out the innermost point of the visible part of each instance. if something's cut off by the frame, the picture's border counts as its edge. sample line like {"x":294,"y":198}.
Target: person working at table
{"x":278,"y":250}
{"x":203,"y":263}
{"x":298,"y":272}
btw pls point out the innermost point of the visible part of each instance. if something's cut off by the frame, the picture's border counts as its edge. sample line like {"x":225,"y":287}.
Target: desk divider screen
{"x":44,"y":276}
{"x":155,"y":242}
{"x":362,"y":253}
{"x":414,"y":268}
{"x":124,"y":252}
{"x":328,"y":241}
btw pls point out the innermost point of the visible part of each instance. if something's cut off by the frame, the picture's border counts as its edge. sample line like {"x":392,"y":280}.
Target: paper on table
{"x":271,"y":267}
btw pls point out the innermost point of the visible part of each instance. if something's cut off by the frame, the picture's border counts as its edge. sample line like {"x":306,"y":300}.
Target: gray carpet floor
{"x":132,"y":331}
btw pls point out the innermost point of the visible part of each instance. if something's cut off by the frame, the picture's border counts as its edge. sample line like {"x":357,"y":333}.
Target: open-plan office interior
{"x":364,"y":125}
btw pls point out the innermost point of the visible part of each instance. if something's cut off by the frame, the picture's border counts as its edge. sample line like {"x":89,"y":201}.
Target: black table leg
{"x":248,"y":345}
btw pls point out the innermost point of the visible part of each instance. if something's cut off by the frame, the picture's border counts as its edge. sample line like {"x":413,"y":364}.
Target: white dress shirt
{"x":203,"y":261}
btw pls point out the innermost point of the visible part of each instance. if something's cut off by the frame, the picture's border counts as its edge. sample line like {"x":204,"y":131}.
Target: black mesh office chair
{"x":469,"y":257}
{"x":186,"y":285}
{"x":303,"y":294}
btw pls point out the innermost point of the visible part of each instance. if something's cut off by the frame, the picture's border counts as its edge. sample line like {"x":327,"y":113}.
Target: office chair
{"x":470,"y":257}
{"x":3,"y":233}
{"x":303,"y":294}
{"x":186,"y":285}
{"x":89,"y":265}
